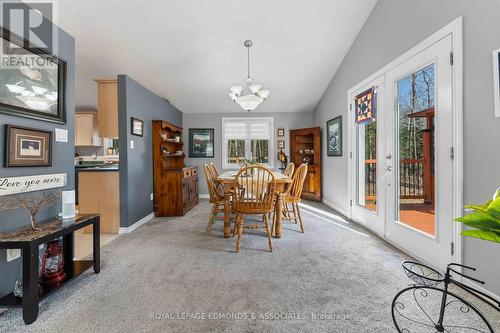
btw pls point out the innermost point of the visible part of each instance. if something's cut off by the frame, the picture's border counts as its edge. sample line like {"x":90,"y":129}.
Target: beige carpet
{"x":169,"y":276}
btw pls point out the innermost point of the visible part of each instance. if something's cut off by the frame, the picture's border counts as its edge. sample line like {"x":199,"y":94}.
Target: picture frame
{"x":27,"y":147}
{"x":136,"y":126}
{"x":201,"y":142}
{"x":281,"y":144}
{"x":334,"y":136}
{"x":496,"y":83}
{"x":32,"y":92}
{"x":281,"y":132}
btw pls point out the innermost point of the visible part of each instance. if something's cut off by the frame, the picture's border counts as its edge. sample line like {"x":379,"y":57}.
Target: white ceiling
{"x":191,"y":51}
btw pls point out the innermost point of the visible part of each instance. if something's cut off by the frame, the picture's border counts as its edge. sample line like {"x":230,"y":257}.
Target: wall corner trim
{"x":144,"y":220}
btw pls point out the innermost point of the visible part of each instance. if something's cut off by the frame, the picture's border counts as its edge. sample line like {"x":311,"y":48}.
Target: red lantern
{"x":52,"y":264}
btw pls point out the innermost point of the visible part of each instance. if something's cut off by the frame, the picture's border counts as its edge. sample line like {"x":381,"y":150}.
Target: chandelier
{"x":250,"y":97}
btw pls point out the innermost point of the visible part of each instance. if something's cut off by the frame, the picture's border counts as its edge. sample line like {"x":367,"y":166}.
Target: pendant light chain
{"x":248,"y":62}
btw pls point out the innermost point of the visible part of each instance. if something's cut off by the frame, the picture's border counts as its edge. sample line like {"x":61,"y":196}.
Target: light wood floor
{"x":83,"y":243}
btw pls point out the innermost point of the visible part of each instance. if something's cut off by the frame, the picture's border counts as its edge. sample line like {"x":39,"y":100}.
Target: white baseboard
{"x":480,"y":288}
{"x":144,"y":220}
{"x":335,"y":207}
{"x":204,"y":196}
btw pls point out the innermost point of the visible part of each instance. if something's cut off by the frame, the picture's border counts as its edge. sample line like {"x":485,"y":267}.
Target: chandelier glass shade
{"x":251,"y":95}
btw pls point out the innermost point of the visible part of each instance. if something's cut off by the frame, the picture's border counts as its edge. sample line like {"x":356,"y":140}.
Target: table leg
{"x":97,"y":245}
{"x":68,"y":252}
{"x":227,"y":214}
{"x":277,"y":214}
{"x":30,"y":283}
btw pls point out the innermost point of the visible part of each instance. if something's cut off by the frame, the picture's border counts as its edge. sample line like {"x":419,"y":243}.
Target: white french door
{"x":368,"y":147}
{"x":401,"y":168}
{"x":418,"y":159}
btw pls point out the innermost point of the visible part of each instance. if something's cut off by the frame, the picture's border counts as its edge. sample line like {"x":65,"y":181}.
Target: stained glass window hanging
{"x":366,"y":106}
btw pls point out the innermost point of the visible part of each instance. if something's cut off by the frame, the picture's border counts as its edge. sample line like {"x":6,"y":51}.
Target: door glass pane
{"x":367,"y":165}
{"x":260,"y":151}
{"x":235,"y":150}
{"x":415,"y":149}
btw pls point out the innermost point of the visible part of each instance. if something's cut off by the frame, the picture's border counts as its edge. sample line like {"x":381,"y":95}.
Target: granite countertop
{"x":112,"y":167}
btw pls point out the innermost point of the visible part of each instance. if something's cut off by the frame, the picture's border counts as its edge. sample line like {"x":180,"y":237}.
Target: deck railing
{"x":411,"y":179}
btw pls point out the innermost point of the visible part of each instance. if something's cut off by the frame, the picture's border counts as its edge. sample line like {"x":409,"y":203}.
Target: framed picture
{"x":496,"y":84}
{"x":334,"y":136}
{"x":36,"y":90}
{"x":281,"y":132}
{"x":281,"y":144}
{"x":27,"y":147}
{"x":136,"y":126}
{"x":201,"y":142}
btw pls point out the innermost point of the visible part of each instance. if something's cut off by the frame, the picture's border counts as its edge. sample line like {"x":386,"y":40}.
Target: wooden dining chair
{"x":289,"y":170}
{"x":254,"y":195}
{"x":216,"y":198}
{"x":293,"y":193}
{"x":215,"y":174}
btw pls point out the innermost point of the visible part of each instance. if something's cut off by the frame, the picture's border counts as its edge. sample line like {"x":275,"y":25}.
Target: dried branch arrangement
{"x":32,"y":202}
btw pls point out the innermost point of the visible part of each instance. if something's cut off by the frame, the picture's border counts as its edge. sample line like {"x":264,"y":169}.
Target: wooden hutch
{"x":305,"y":147}
{"x":175,"y":185}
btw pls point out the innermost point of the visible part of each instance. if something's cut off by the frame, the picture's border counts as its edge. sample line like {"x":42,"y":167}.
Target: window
{"x":247,"y":138}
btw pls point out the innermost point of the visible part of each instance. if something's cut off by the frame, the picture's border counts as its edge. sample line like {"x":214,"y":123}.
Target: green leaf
{"x":482,"y":208}
{"x":480,"y":218}
{"x":481,"y":234}
{"x":483,"y":226}
{"x":494,"y":208}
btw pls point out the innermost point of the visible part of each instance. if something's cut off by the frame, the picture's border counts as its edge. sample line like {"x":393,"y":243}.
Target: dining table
{"x":228,"y":181}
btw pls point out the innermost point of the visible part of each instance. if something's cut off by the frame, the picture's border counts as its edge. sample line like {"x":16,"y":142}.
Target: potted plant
{"x":485,"y":220}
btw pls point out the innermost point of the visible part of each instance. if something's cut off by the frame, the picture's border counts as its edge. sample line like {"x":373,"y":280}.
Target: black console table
{"x":28,"y":241}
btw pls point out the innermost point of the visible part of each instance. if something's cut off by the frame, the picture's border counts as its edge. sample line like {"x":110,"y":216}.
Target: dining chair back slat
{"x":289,"y":170}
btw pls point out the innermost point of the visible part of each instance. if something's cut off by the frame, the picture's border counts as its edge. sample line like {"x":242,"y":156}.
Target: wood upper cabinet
{"x":107,"y":92}
{"x":86,"y":129}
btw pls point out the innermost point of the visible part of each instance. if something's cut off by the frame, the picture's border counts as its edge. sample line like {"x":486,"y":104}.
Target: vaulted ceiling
{"x":191,"y":51}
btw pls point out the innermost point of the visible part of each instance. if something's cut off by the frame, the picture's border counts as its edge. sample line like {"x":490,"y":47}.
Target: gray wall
{"x":62,"y":162}
{"x":394,"y":27}
{"x":136,"y":165}
{"x":287,"y":120}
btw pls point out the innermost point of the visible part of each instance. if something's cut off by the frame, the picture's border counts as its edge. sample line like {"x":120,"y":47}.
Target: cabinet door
{"x":193,"y":188}
{"x":108,"y":108}
{"x":311,"y":189}
{"x":84,"y":129}
{"x":186,"y":191}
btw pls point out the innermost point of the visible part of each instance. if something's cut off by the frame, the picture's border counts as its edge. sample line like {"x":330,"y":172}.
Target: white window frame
{"x":232,"y":166}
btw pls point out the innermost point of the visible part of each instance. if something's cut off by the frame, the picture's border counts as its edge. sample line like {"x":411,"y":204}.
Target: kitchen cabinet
{"x":99,"y":192}
{"x":86,"y":129}
{"x":107,"y":94}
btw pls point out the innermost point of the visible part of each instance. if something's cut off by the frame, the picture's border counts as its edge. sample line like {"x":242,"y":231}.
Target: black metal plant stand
{"x":428,"y":306}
